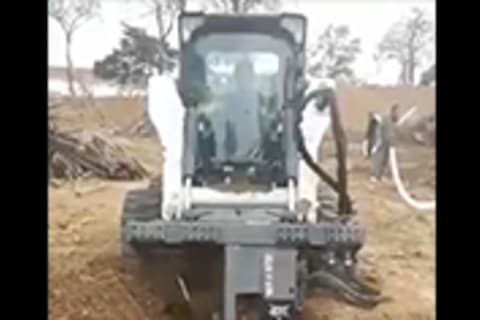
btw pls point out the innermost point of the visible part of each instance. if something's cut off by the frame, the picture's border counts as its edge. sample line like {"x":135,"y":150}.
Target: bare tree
{"x":428,"y":77}
{"x":131,"y":63}
{"x":334,"y":53}
{"x":408,"y":42}
{"x":165,"y":13}
{"x":243,"y":6}
{"x":71,"y":15}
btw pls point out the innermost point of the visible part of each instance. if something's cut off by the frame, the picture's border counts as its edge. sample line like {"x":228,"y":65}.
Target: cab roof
{"x":241,"y":23}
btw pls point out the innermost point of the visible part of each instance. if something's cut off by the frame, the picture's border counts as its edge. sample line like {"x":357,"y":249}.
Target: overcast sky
{"x":367,"y":19}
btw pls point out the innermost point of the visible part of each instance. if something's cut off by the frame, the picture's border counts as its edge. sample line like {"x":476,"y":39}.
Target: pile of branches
{"x":72,"y":156}
{"x":142,"y":127}
{"x":425,"y":130}
{"x":421,"y":130}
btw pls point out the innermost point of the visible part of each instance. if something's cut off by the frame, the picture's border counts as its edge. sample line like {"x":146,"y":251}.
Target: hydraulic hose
{"x":340,"y":186}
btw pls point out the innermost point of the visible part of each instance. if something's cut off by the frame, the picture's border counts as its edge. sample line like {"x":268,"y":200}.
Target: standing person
{"x":242,"y":123}
{"x":378,"y":140}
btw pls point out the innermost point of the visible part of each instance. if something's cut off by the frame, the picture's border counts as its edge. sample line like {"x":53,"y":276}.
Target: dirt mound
{"x":89,"y":281}
{"x":357,"y":102}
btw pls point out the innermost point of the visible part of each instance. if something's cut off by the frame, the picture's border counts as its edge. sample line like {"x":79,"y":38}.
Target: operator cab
{"x":234,"y":71}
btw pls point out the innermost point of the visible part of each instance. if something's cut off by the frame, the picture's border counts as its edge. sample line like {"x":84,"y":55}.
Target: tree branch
{"x":222,"y":5}
{"x":169,"y":28}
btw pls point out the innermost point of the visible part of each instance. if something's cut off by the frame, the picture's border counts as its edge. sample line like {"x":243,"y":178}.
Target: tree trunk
{"x":236,"y":6}
{"x":159,"y":17}
{"x":182,"y":5}
{"x":404,"y":73}
{"x":411,"y":68}
{"x":411,"y":56}
{"x":70,"y":74}
{"x":411,"y":74}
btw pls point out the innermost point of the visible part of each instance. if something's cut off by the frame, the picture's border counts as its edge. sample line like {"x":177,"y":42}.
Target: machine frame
{"x":267,"y":249}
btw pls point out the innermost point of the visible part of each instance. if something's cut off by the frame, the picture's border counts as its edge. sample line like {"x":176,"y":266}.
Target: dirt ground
{"x":87,"y":279}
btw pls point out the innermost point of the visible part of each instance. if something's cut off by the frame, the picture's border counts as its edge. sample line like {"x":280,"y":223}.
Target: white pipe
{"x":419,"y":205}
{"x":183,"y":289}
{"x":407,"y":115}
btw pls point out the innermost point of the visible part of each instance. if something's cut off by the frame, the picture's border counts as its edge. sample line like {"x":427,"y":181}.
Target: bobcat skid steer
{"x":240,"y":210}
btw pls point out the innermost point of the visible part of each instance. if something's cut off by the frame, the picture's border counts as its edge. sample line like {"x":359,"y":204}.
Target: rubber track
{"x":143,"y":204}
